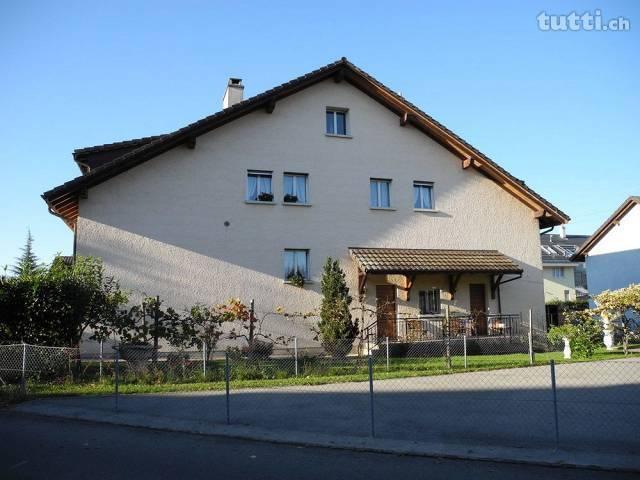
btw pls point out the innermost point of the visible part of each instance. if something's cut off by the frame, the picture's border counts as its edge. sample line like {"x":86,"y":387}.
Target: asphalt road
{"x":598,"y":407}
{"x":33,"y":447}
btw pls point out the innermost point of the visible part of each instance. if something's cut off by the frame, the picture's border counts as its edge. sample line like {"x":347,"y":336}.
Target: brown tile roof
{"x":58,"y":198}
{"x":89,"y":158}
{"x":405,"y":260}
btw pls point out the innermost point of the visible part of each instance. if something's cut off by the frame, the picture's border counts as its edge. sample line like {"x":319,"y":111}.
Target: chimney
{"x":233,"y":93}
{"x":563,"y":232}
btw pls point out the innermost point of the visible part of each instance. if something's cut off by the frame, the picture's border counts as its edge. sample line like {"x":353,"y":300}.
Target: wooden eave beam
{"x":338,"y":76}
{"x":404,"y":119}
{"x":191,"y":142}
{"x":270,"y":106}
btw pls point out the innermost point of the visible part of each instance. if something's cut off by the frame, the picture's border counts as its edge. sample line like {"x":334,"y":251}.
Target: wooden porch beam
{"x":362,"y":281}
{"x":453,"y":284}
{"x":495,"y":283}
{"x":406,"y":288}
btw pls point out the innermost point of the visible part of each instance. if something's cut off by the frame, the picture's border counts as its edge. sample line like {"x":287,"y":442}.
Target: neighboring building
{"x":612,"y":253}
{"x":564,"y":280}
{"x":332,"y":163}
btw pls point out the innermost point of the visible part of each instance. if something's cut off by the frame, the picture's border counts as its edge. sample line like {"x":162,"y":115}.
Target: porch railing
{"x":420,"y":329}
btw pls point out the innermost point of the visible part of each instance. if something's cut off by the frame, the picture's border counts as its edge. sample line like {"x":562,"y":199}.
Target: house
{"x":564,"y":280}
{"x":612,"y":253}
{"x":330,"y":164}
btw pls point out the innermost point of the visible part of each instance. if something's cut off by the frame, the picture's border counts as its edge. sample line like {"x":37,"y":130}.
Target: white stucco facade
{"x":178,"y":225}
{"x":614,"y":261}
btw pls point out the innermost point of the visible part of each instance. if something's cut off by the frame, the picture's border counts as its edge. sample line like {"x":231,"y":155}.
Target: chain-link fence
{"x":22,"y":363}
{"x":515,"y":390}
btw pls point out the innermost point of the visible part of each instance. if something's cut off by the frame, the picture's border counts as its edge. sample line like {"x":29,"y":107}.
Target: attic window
{"x":336,"y":121}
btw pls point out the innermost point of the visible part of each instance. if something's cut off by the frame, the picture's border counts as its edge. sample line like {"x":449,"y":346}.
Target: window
{"x":336,"y":122}
{"x":423,"y":195}
{"x":259,"y":186}
{"x":295,"y":188}
{"x":429,"y":301}
{"x":379,"y":193}
{"x":558,"y":272}
{"x":296,"y":262}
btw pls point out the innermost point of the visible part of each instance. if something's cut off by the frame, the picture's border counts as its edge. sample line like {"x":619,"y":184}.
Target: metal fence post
{"x":531,"y":354}
{"x":387,"y":342}
{"x":555,"y":402}
{"x":447,"y":337}
{"x":373,"y":429}
{"x":24,"y":368}
{"x":295,"y":353}
{"x":204,"y":360}
{"x":117,"y":374}
{"x":226,"y":376}
{"x":464,"y":345}
{"x":101,"y":355}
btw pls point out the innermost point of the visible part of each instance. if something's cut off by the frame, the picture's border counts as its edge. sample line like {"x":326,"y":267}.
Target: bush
{"x":583,"y":331}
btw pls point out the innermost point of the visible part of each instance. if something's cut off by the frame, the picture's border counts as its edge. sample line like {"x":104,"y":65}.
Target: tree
{"x":57,"y":305}
{"x":620,"y":312}
{"x":27,"y":263}
{"x":336,"y":329}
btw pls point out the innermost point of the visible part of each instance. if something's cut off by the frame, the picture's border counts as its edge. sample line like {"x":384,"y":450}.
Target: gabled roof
{"x":63,"y":200}
{"x":89,"y":158}
{"x":609,"y":223}
{"x":416,"y":260}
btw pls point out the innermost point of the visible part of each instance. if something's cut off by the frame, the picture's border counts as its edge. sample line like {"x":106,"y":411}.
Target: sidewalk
{"x":535,"y":456}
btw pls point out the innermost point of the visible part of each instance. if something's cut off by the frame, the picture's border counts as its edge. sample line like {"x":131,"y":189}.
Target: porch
{"x":423,"y":295}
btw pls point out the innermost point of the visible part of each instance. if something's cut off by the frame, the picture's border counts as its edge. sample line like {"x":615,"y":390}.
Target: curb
{"x":537,"y":457}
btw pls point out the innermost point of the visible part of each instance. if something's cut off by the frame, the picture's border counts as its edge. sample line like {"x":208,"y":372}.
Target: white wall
{"x":554,"y":287}
{"x":614,"y":262}
{"x":160,"y":226}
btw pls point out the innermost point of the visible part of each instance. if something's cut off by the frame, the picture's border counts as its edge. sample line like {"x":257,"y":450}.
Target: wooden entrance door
{"x":478,"y":307}
{"x":386,"y":308}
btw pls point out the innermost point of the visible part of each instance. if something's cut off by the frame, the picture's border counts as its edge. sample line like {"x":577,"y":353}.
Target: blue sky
{"x":558,"y":109}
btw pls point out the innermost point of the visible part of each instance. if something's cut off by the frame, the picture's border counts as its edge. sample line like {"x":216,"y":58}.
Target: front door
{"x":478,"y":307}
{"x":386,"y":308}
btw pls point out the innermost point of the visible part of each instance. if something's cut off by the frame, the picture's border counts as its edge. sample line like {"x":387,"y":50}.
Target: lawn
{"x":274,"y":373}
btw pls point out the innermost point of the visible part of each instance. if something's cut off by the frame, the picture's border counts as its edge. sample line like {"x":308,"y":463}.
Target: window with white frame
{"x":336,"y":121}
{"x":423,"y":195}
{"x":558,"y":272}
{"x":259,"y":186}
{"x":429,"y":301}
{"x":296,"y":262}
{"x":295,"y":187}
{"x":379,"y":193}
